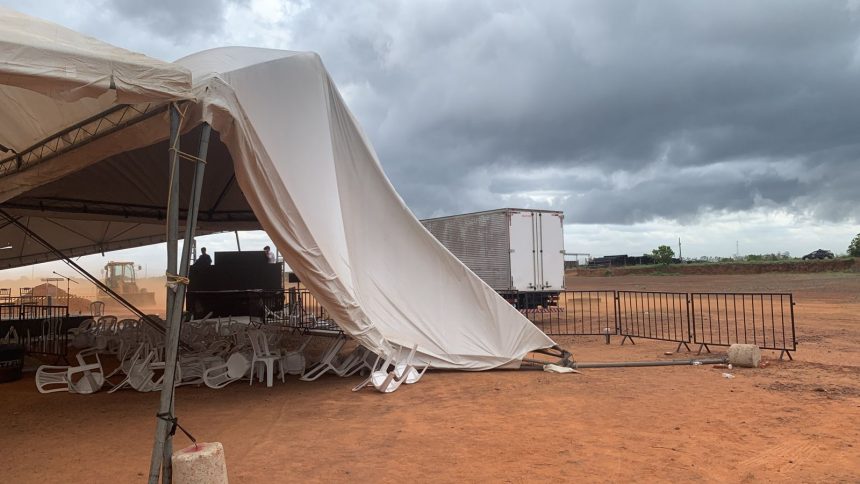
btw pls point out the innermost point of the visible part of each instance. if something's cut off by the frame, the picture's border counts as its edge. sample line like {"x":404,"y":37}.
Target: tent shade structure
{"x":94,"y":139}
{"x":287,"y":156}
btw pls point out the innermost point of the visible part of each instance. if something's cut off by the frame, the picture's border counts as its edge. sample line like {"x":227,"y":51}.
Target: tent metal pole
{"x":179,"y":301}
{"x":173,"y":204}
{"x":164,"y":441}
{"x":163,"y":426}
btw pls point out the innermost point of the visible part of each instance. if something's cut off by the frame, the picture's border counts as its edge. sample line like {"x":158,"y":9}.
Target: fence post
{"x":691,"y":328}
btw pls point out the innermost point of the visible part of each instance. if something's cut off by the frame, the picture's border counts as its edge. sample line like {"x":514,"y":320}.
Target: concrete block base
{"x":746,"y":356}
{"x":200,"y":464}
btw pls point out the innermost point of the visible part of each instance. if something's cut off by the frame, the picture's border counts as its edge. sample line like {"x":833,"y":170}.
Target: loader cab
{"x":119,"y":275}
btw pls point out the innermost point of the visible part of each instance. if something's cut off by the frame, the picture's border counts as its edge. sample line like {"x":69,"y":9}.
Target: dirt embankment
{"x":77,"y":304}
{"x":802,"y":266}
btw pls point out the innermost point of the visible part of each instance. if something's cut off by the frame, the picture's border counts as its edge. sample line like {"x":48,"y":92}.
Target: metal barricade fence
{"x":763,"y":319}
{"x":300,"y":309}
{"x":43,"y":337}
{"x":31,"y":307}
{"x":722,"y":319}
{"x":34,"y":311}
{"x":577,"y":313}
{"x":661,"y":316}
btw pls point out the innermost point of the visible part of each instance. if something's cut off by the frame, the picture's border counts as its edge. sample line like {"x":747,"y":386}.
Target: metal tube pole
{"x":538,"y":364}
{"x":634,"y":364}
{"x":172,"y":246}
{"x":173,"y":203}
{"x":179,"y":300}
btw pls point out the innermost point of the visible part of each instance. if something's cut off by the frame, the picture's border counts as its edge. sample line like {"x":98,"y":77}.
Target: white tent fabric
{"x":289,"y":156}
{"x":348,"y":235}
{"x":52,"y":77}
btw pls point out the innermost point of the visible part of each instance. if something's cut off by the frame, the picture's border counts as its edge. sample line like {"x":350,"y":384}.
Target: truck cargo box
{"x":515,"y":251}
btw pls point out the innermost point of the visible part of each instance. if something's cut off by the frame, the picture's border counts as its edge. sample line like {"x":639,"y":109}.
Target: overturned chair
{"x":386,"y":381}
{"x":87,"y":377}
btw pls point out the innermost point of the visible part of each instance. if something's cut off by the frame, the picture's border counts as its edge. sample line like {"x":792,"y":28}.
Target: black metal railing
{"x":577,"y":313}
{"x":654,"y":315}
{"x":32,"y":307}
{"x":762,"y":319}
{"x":299,"y":309}
{"x":48,"y":337}
{"x":706,"y":319}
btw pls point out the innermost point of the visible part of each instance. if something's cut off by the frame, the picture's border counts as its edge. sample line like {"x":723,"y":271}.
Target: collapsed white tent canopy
{"x":287,"y":156}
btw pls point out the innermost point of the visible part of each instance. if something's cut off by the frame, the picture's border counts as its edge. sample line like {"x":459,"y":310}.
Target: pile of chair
{"x":222,"y":351}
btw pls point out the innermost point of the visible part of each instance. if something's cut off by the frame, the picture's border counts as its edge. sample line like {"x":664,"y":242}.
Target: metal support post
{"x":172,"y":244}
{"x":173,"y":203}
{"x":163,"y":447}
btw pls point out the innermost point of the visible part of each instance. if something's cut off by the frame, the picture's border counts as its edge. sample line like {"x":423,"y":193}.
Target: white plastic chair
{"x":126,"y":360}
{"x":327,"y":362}
{"x":354,"y":362}
{"x":148,"y":375}
{"x":385,"y":381}
{"x":194,"y":366}
{"x":262,"y":354}
{"x":294,"y":362}
{"x":105,"y":332}
{"x":50,"y":379}
{"x":97,"y":309}
{"x":82,"y":336}
{"x":220,"y":376}
{"x":129,"y":367}
{"x":86,"y":378}
{"x":412,"y":373}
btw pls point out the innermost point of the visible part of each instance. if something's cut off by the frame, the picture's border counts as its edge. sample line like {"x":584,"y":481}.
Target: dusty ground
{"x":791,"y":421}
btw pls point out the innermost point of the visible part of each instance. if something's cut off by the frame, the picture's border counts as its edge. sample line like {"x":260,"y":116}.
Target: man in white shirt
{"x":270,"y":256}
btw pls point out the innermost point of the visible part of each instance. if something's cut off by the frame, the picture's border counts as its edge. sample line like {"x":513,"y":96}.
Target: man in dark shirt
{"x":204,"y":259}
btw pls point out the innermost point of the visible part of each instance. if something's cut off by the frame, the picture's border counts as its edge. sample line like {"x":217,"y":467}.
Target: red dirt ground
{"x":791,"y":421}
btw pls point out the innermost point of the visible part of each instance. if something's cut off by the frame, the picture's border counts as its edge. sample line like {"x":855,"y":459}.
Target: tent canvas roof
{"x":289,"y":158}
{"x":52,"y":77}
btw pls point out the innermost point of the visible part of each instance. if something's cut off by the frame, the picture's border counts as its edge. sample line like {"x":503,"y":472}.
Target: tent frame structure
{"x":70,"y":102}
{"x":95,"y":127}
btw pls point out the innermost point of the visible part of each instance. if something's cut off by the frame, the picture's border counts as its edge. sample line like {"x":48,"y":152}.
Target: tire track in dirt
{"x":786,"y":456}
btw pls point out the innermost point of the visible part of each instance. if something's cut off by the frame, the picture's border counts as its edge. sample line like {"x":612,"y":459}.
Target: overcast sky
{"x":716,"y":122}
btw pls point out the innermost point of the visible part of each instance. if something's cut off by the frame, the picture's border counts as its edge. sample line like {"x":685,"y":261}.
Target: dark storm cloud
{"x":616,"y":112}
{"x":174,"y":19}
{"x":464,"y":97}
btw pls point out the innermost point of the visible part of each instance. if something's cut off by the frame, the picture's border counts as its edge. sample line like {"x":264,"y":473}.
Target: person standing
{"x":204,"y":259}
{"x":270,"y":256}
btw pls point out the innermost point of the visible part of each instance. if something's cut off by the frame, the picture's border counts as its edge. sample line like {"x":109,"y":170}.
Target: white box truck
{"x":517,"y":252}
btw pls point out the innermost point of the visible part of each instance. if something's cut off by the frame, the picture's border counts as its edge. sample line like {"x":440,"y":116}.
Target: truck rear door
{"x":524,"y":255}
{"x":551,"y":251}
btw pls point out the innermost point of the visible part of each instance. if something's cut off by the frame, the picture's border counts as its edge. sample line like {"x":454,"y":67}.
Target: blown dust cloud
{"x":84,"y":292}
{"x":790,"y":421}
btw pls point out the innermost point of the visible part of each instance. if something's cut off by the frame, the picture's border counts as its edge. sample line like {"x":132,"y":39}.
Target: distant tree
{"x":854,"y":248}
{"x":663,"y":254}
